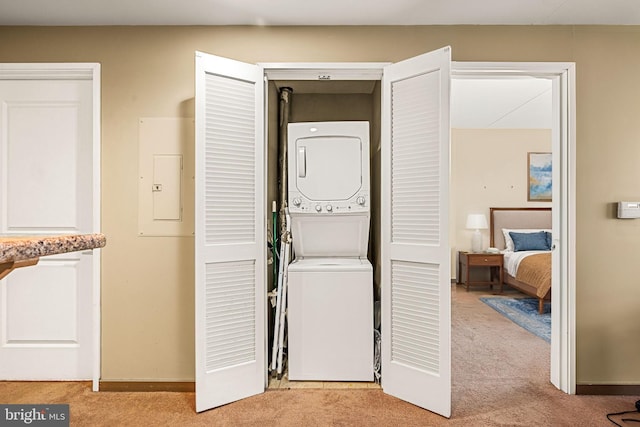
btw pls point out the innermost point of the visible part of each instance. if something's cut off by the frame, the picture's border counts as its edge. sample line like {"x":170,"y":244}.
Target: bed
{"x":527,"y":260}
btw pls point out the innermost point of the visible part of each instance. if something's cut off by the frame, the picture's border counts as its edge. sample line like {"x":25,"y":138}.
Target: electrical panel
{"x":166,"y":169}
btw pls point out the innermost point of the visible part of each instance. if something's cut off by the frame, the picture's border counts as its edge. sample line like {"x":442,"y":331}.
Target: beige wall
{"x":489,"y":169}
{"x":147,"y":283}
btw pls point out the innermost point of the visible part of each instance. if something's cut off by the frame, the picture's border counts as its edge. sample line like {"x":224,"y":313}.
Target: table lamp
{"x":476,"y":222}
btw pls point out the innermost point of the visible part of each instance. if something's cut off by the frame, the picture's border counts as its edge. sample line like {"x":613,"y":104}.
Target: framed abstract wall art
{"x":539,"y":174}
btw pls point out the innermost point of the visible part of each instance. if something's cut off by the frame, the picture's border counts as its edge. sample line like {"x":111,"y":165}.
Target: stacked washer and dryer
{"x":330,"y":281}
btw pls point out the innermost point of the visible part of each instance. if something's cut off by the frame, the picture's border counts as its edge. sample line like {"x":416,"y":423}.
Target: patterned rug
{"x":524,"y":312}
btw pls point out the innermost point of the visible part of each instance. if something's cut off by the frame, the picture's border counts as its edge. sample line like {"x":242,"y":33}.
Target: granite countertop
{"x":19,"y":248}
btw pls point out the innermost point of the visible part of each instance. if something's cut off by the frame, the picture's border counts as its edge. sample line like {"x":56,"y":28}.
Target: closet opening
{"x":321,"y":101}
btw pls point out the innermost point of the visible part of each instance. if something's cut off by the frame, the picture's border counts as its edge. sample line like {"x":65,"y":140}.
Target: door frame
{"x":77,"y":71}
{"x":563,"y":357}
{"x":562,"y":74}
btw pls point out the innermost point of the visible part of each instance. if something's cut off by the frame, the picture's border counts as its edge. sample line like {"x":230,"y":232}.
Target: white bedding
{"x":512,"y":259}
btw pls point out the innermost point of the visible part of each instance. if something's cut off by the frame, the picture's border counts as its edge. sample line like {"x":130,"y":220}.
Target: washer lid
{"x":322,"y":261}
{"x":328,"y":167}
{"x":330,"y":264}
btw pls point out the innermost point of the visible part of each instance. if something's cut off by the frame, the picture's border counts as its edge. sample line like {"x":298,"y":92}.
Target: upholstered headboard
{"x":516,"y":218}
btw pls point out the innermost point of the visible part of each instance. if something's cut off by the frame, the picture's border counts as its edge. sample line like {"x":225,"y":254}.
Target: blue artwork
{"x":540,"y":177}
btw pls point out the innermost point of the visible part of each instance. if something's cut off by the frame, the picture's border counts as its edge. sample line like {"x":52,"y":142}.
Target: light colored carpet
{"x":500,"y":378}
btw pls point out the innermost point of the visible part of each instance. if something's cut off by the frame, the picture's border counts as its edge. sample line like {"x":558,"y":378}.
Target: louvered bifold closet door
{"x":230,"y":246}
{"x":415,"y":240}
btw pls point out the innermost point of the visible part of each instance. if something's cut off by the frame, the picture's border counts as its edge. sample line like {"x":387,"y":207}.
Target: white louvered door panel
{"x":416,"y":293}
{"x":230,"y":245}
{"x":415,"y":306}
{"x":230,"y":313}
{"x":230,"y":188}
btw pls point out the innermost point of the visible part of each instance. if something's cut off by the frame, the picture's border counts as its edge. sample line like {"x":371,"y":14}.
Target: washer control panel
{"x":358,"y":203}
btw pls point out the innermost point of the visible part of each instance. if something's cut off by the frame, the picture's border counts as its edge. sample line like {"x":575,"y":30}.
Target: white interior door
{"x":230,"y":231}
{"x":46,"y":187}
{"x":416,"y":289}
{"x":563,"y":248}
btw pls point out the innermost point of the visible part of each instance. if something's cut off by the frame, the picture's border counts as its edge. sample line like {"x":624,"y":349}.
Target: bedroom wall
{"x":489,"y":169}
{"x":147,"y":283}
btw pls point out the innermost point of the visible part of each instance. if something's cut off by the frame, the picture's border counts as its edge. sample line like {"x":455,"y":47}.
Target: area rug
{"x":524,"y":312}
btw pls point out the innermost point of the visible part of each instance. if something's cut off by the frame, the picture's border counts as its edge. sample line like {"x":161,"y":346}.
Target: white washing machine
{"x":330,"y":323}
{"x":330,"y":307}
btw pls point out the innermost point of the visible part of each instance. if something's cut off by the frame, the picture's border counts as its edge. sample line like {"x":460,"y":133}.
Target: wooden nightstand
{"x":466,"y":260}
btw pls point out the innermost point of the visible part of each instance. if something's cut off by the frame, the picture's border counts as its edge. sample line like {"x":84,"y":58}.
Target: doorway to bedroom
{"x":499,"y":120}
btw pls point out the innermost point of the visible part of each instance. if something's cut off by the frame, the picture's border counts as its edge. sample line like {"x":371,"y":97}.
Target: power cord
{"x":634,"y":420}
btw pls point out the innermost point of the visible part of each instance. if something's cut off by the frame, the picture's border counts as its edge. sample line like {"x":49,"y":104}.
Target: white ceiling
{"x":319,"y":12}
{"x":508,"y":103}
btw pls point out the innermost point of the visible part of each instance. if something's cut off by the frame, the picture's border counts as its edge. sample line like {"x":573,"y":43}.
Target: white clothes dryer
{"x":328,"y":182}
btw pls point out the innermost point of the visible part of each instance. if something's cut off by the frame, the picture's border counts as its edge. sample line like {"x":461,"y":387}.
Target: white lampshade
{"x":476,"y":222}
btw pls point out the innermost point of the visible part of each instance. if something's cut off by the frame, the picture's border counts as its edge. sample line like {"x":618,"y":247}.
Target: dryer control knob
{"x":360,"y":201}
{"x":297,"y":201}
{"x":329,"y":208}
{"x":318,"y":208}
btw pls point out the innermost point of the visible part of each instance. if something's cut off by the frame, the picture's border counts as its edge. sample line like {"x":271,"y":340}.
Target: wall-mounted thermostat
{"x":628,"y":209}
